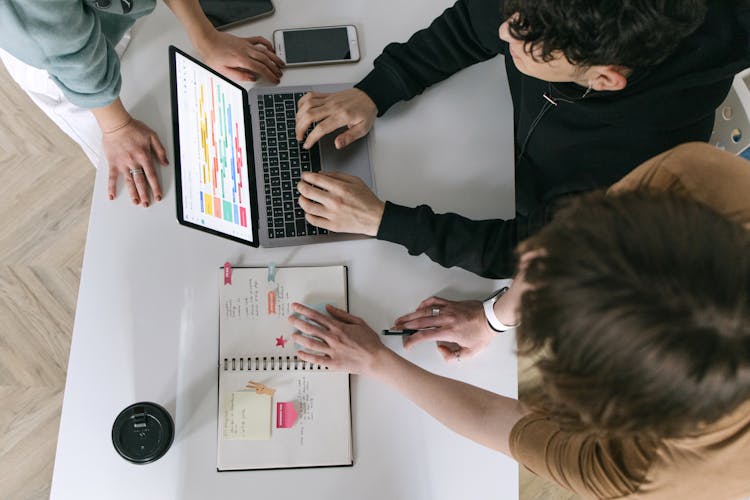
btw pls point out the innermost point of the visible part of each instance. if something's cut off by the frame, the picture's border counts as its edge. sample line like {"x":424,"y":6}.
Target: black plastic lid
{"x":143,"y":432}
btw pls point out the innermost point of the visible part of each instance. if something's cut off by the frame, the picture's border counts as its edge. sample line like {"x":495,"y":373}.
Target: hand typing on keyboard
{"x":340,"y":202}
{"x":349,"y":108}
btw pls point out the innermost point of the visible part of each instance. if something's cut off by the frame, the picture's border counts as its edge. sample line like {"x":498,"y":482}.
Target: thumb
{"x":447,"y":353}
{"x":454,"y":352}
{"x":345,"y":138}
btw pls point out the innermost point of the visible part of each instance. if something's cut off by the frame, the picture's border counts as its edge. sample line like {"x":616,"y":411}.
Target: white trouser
{"x":78,"y":123}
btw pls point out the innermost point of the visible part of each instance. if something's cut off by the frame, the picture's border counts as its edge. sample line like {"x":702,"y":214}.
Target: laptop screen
{"x":213,"y":179}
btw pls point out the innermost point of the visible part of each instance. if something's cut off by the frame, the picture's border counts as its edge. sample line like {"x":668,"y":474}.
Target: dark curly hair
{"x":630,"y":33}
{"x":640,"y":312}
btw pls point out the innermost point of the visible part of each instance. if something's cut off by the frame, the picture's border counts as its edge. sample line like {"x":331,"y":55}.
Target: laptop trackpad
{"x":353,"y":159}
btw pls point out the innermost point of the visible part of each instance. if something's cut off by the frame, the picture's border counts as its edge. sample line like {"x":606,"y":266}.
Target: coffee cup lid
{"x":143,"y":432}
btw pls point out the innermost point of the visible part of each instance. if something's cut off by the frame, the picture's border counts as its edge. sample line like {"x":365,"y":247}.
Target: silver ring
{"x":458,"y":355}
{"x":436,"y":311}
{"x":134,"y":171}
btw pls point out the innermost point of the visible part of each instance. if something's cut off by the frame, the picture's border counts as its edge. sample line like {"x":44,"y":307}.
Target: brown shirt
{"x":713,"y":462}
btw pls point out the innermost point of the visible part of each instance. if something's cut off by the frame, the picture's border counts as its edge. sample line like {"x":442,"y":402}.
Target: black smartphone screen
{"x":322,"y":44}
{"x":224,"y":13}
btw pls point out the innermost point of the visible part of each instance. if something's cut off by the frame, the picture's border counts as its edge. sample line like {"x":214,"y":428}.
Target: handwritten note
{"x":247,"y":415}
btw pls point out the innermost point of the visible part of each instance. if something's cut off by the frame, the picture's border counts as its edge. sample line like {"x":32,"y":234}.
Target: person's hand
{"x":241,"y":59}
{"x":461,"y":323}
{"x":340,"y":202}
{"x":349,"y":108}
{"x":346,"y":342}
{"x":129,"y":151}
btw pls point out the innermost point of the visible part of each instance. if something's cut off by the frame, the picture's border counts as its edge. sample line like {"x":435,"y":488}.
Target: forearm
{"x":483,"y":247}
{"x":482,"y":416}
{"x":193,"y":19}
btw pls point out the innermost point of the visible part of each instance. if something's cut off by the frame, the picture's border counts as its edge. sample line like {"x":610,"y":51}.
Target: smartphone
{"x":325,"y":45}
{"x":227,"y":13}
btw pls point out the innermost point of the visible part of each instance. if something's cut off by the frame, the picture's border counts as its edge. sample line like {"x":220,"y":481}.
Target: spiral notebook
{"x":274,"y":410}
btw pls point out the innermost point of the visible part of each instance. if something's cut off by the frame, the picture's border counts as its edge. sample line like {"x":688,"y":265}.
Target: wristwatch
{"x":489,"y":312}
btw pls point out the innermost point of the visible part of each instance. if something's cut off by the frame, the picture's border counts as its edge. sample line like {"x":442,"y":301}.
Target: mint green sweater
{"x":73,"y":40}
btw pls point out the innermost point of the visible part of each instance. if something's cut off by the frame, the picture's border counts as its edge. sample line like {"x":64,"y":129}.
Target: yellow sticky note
{"x":247,"y":415}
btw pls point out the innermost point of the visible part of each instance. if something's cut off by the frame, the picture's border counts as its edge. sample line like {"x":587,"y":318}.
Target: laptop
{"x":237,"y":161}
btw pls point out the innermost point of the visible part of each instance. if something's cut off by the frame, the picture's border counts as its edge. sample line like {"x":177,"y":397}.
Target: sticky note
{"x":247,"y":415}
{"x":286,"y":415}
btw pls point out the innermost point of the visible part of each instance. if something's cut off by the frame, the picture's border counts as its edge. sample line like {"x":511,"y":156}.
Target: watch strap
{"x":489,"y":312}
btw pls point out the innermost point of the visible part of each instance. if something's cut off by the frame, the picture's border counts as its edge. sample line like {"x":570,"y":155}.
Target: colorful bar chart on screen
{"x":213,"y":152}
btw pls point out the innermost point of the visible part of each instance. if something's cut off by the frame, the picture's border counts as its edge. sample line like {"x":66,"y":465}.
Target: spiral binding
{"x":270,"y":363}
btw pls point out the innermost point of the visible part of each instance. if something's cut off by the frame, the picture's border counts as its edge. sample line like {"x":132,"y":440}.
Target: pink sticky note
{"x":286,"y":415}
{"x":227,"y":273}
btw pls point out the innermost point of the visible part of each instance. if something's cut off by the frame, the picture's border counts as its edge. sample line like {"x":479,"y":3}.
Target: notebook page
{"x":253,"y":311}
{"x":320,"y":435}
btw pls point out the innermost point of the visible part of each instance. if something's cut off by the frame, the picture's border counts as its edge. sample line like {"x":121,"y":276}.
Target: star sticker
{"x":281,"y":341}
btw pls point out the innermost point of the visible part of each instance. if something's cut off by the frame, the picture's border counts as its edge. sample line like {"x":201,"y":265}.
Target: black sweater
{"x":575,"y":147}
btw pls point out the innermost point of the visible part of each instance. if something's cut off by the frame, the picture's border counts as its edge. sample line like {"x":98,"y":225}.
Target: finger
{"x":139,"y":178}
{"x":153,"y":181}
{"x":314,"y":359}
{"x":320,"y":222}
{"x":158,"y":149}
{"x":257,"y":68}
{"x":429,"y":302}
{"x":238,"y":74}
{"x":112,"y":182}
{"x":428,"y":307}
{"x":426,"y":335}
{"x":310,"y":97}
{"x":303,"y":101}
{"x":343,"y":315}
{"x":323,"y":128}
{"x":313,"y":193}
{"x":332,"y":182}
{"x":306,"y":327}
{"x":311,"y":208}
{"x":315,"y":344}
{"x":419,"y":312}
{"x":306,"y":116}
{"x":273,"y":59}
{"x":312,"y":314}
{"x":356,"y":132}
{"x":131,"y":188}
{"x":341,"y":176}
{"x":425,"y":322}
{"x":262,"y":57}
{"x":261,"y":41}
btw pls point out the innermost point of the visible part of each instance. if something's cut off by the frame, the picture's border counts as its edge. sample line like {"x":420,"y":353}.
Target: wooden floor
{"x":45,"y":192}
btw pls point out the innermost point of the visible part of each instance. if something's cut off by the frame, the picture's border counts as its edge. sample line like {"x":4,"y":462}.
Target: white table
{"x":147,"y":317}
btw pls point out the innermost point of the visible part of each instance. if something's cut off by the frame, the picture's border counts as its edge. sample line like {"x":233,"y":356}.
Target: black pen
{"x":406,"y":331}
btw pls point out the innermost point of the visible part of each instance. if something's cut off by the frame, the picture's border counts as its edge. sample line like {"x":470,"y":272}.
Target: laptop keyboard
{"x":284,"y":160}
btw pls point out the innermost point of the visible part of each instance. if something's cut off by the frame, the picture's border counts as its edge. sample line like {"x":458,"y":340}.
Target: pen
{"x":407,"y":331}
